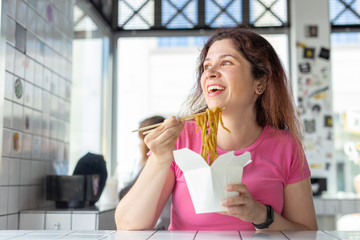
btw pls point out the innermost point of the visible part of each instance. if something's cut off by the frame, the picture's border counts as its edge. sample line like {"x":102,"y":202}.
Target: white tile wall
{"x":83,"y":222}
{"x":7,"y":113}
{"x":9,"y":86}
{"x":29,"y":95}
{"x":4,"y":192}
{"x":10,"y":31}
{"x":30,"y":50}
{"x":3,"y":222}
{"x":24,"y":197}
{"x":45,"y":153}
{"x":14,"y":166}
{"x":38,"y":46}
{"x":30,"y":68}
{"x":33,"y":198}
{"x":45,"y":125}
{"x":36,"y":147}
{"x":4,"y":172}
{"x":6,"y":144}
{"x":36,"y":173}
{"x":18,"y":117}
{"x":21,"y":12}
{"x":31,"y":19}
{"x":25,"y":172}
{"x":13,"y":199}
{"x":12,"y":8}
{"x":47,"y":78}
{"x":26,"y":146}
{"x":19,"y":69}
{"x":32,"y":221}
{"x":37,"y":98}
{"x":36,"y":122}
{"x":13,"y":221}
{"x":58,"y":221}
{"x":9,"y":59}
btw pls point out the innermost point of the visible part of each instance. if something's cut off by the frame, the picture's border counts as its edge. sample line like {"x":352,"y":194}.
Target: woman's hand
{"x":244,"y":206}
{"x":161,"y":141}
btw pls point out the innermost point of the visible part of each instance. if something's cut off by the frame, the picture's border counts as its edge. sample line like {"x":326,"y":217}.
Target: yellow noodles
{"x":208,"y":124}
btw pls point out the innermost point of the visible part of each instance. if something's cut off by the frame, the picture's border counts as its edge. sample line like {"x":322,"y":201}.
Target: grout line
{"x":195,"y":235}
{"x":285,"y":235}
{"x":107,"y":235}
{"x":152,"y":234}
{"x":240,"y":235}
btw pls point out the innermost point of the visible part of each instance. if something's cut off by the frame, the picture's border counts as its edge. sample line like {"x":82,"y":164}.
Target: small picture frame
{"x":311,"y":31}
{"x":309,"y":53}
{"x":324,"y":53}
{"x":304,"y":67}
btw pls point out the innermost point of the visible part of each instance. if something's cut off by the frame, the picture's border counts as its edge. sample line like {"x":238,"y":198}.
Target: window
{"x":268,"y":13}
{"x":87,"y":85}
{"x":179,"y":14}
{"x":345,"y":63}
{"x":196,"y":14}
{"x":344,"y":12}
{"x":345,"y":50}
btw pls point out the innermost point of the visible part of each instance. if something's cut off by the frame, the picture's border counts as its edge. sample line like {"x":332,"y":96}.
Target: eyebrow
{"x":221,"y":56}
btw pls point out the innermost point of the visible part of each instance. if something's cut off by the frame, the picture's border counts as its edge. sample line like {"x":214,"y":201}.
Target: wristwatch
{"x":269,"y":218}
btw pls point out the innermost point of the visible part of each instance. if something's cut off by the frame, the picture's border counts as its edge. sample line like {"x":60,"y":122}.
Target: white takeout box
{"x":206,"y":183}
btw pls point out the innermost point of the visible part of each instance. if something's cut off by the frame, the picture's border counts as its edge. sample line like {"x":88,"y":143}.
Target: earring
{"x":259,"y":90}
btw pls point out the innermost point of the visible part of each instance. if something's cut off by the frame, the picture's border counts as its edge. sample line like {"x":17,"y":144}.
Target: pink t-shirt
{"x":275,"y":164}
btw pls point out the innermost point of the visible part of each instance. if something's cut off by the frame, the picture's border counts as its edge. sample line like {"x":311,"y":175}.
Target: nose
{"x":212,"y":72}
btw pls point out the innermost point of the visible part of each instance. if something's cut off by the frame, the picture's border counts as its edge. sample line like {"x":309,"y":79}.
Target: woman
{"x":144,"y":150}
{"x":238,"y":70}
{"x":164,"y":219}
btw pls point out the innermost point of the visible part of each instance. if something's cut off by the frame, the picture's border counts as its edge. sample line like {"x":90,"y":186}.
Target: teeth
{"x":214,"y":88}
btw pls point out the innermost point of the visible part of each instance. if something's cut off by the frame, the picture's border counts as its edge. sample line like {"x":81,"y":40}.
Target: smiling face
{"x":227,"y":80}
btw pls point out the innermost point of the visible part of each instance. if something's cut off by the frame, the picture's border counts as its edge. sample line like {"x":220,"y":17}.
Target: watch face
{"x":18,"y":88}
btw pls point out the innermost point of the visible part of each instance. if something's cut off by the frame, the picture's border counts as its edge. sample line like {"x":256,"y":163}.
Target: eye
{"x":226,"y":62}
{"x":207,"y":66}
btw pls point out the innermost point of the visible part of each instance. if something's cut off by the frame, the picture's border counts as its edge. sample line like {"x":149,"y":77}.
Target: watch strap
{"x":269,"y":218}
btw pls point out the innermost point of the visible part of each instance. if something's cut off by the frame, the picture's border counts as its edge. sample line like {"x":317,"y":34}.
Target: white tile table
{"x":178,"y":235}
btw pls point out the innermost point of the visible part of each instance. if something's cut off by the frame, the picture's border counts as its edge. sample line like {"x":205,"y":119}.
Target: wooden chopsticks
{"x":187,"y":118}
{"x":150,"y":127}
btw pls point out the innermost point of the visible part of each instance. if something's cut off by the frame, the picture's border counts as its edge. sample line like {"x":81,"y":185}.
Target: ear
{"x":260,"y":86}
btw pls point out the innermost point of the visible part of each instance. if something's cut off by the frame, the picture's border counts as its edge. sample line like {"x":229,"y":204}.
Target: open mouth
{"x":215,"y":88}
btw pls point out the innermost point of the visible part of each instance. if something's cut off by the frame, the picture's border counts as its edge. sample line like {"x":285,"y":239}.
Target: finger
{"x":171,"y":128}
{"x":233,"y":211}
{"x":241,"y":188}
{"x":166,"y":134}
{"x":234,"y":201}
{"x":229,"y":214}
{"x":157,"y":131}
{"x":169,"y":136}
{"x":168,"y":123}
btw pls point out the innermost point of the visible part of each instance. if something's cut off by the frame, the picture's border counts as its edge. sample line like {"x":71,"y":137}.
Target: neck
{"x":244,"y":132}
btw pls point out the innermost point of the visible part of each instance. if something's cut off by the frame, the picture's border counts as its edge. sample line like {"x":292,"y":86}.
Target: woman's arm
{"x":142,"y":205}
{"x":298,"y":211}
